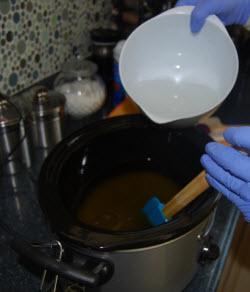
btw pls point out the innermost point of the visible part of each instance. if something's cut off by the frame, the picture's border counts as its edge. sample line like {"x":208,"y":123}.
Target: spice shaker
{"x":47,"y":118}
{"x":11,"y":137}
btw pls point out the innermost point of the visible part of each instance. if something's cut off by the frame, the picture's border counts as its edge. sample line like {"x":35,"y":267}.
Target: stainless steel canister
{"x":11,"y":137}
{"x":47,"y":118}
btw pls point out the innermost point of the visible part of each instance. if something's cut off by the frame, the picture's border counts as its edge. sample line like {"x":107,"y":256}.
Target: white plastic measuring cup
{"x":175,"y":75}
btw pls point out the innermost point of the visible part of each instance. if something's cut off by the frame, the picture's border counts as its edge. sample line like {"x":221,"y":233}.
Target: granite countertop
{"x":19,"y":208}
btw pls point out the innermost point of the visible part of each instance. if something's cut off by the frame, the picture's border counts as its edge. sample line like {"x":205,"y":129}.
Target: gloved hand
{"x":228,"y":169}
{"x":229,"y":11}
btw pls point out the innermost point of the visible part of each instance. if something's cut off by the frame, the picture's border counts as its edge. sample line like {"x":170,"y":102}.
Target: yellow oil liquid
{"x":115,"y":203}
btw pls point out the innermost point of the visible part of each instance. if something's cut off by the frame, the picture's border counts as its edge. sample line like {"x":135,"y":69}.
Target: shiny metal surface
{"x":46,"y":119}
{"x":9,"y":114}
{"x":47,"y":133}
{"x":9,"y":139}
{"x":25,"y":145}
{"x":14,"y":149}
{"x":168,"y":267}
{"x":13,"y":144}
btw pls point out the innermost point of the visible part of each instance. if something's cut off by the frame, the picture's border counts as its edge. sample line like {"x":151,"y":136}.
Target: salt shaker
{"x":47,"y":118}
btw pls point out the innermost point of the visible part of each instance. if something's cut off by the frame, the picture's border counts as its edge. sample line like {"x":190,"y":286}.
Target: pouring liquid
{"x":115,"y":203}
{"x":166,"y":100}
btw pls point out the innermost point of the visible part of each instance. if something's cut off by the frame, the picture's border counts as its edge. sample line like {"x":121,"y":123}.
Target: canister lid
{"x":9,"y":114}
{"x":77,"y":67}
{"x":45,"y":101}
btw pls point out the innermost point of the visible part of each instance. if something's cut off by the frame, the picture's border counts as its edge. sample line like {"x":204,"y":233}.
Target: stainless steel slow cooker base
{"x":167,"y":267}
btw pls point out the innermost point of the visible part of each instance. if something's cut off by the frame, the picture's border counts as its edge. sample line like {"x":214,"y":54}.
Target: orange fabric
{"x":126,"y":107}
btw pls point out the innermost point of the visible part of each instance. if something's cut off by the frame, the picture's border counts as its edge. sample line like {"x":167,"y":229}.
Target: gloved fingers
{"x":238,"y":202}
{"x":224,"y":18}
{"x":186,"y":3}
{"x":231,"y":196}
{"x":238,"y":136}
{"x":230,"y":182}
{"x":199,"y":14}
{"x":230,"y":159}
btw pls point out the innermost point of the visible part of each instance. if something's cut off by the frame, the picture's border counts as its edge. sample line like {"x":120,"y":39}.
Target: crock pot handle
{"x":67,"y":271}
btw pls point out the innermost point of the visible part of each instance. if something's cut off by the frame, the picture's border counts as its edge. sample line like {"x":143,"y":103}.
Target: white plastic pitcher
{"x":175,"y":75}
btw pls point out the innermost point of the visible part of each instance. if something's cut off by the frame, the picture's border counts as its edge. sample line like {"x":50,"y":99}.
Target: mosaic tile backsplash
{"x":38,"y":36}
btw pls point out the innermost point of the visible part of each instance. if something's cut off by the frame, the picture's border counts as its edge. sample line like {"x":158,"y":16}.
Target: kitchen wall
{"x":37,"y":36}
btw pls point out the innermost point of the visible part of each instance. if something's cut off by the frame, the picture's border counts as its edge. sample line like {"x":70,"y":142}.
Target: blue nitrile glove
{"x":228,"y":169}
{"x":229,"y":11}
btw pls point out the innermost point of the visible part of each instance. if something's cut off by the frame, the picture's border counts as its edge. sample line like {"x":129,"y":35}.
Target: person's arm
{"x":228,"y":167}
{"x":229,"y":11}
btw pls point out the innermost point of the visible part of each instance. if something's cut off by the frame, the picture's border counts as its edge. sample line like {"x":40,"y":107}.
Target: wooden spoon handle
{"x":191,"y":191}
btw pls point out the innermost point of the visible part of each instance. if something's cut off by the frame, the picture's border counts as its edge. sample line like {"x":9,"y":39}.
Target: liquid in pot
{"x":115,"y":203}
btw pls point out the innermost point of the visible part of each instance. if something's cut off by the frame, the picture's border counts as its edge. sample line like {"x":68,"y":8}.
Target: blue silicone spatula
{"x":157,"y":213}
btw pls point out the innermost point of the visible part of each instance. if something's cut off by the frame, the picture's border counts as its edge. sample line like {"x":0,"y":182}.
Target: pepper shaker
{"x":47,"y":118}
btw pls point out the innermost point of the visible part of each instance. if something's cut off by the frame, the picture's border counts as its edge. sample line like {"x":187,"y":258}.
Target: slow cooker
{"x":131,"y":258}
